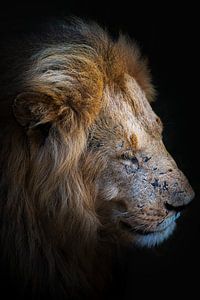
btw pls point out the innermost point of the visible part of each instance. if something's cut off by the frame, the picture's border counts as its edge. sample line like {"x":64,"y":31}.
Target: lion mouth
{"x":152,"y":236}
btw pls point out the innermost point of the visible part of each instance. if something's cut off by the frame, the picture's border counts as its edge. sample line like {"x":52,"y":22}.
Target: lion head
{"x":141,"y":186}
{"x":82,"y":155}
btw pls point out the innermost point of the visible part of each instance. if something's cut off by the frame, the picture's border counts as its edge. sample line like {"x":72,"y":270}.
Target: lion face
{"x":141,"y":188}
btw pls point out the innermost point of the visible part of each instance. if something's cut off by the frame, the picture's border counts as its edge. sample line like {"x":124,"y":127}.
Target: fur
{"x":54,"y":225}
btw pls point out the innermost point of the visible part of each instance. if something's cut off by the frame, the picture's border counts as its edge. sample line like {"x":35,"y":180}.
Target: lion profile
{"x":83,"y":168}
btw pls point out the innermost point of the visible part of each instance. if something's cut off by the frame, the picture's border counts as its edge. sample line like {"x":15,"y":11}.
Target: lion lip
{"x":161,"y":227}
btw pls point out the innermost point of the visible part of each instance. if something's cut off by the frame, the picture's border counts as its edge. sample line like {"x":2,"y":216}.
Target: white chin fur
{"x":154,"y":238}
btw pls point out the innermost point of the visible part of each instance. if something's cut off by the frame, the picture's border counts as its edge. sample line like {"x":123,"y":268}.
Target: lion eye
{"x":130,"y":163}
{"x":130,"y":158}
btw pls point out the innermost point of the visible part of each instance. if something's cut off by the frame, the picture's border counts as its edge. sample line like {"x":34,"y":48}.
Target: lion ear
{"x":33,"y":108}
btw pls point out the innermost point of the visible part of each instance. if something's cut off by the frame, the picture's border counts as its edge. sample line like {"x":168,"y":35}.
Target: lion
{"x":83,"y":168}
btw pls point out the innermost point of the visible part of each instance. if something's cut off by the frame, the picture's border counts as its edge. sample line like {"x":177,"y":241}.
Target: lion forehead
{"x":141,"y":107}
{"x":131,"y":111}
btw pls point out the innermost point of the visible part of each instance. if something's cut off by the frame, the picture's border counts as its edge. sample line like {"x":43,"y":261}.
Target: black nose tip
{"x":179,"y":200}
{"x":171,"y":207}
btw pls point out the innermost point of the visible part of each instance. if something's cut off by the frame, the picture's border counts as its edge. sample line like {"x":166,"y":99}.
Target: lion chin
{"x":153,"y":239}
{"x":161,"y":234}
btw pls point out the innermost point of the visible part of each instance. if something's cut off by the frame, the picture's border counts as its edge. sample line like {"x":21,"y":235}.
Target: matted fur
{"x":55,"y":229}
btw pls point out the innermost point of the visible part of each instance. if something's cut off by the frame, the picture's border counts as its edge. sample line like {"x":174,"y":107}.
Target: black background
{"x":168,"y":36}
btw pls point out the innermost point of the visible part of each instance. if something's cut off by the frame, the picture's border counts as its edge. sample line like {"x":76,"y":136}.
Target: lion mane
{"x":52,"y":233}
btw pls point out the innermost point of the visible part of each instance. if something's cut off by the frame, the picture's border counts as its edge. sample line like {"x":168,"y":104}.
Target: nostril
{"x":171,"y":207}
{"x":170,"y":170}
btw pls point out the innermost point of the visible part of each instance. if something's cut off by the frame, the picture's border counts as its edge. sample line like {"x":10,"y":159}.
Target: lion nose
{"x":171,"y":207}
{"x":180,"y":199}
